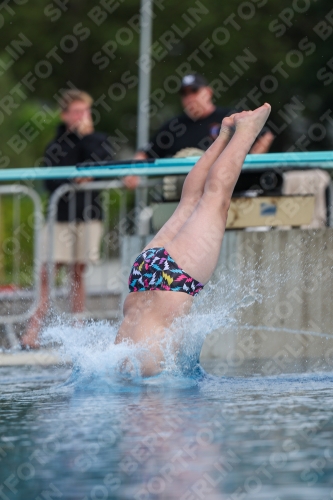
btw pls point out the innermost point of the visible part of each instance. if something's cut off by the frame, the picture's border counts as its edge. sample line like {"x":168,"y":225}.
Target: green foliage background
{"x":273,"y":31}
{"x":49,"y":26}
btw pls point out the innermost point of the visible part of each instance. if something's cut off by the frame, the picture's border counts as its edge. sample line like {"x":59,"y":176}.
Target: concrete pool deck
{"x":41,"y":357}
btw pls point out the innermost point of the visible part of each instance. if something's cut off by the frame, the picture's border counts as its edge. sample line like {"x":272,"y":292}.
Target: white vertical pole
{"x":146,"y":14}
{"x":144,"y":72}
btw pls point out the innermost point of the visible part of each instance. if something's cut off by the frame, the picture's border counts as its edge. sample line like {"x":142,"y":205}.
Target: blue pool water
{"x":88,"y":432}
{"x":72,"y":437}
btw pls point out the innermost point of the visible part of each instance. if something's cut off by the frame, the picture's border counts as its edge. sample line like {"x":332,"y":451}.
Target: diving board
{"x":167,"y":166}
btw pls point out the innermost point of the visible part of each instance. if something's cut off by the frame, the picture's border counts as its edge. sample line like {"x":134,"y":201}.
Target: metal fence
{"x":107,"y":271}
{"x":105,"y":279}
{"x":17,"y":305}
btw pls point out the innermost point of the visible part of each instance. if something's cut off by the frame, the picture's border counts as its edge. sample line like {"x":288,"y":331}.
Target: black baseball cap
{"x":194,"y":81}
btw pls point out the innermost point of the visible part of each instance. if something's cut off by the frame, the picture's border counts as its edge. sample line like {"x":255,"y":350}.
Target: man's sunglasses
{"x":189,"y":90}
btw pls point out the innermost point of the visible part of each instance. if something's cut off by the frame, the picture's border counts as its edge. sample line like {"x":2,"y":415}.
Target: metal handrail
{"x":52,"y":214}
{"x":38,"y":213}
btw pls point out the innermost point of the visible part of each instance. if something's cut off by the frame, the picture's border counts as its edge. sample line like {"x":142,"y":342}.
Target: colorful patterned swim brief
{"x":155,"y":269}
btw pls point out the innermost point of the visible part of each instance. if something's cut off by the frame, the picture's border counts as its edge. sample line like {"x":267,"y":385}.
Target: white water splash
{"x":90,"y":345}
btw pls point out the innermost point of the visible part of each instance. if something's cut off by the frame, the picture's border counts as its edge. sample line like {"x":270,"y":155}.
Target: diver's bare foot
{"x":228,"y":126}
{"x":253,"y":121}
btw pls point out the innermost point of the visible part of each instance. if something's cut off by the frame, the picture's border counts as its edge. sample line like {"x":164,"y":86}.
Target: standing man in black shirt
{"x":197,"y":127}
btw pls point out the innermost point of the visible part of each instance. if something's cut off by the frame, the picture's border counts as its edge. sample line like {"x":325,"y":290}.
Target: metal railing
{"x":114,"y":276}
{"x":13,"y":296}
{"x":87,"y":188}
{"x":30,"y":297}
{"x":12,"y":246}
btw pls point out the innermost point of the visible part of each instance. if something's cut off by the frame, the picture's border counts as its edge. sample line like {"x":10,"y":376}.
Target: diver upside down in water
{"x":184,"y":253}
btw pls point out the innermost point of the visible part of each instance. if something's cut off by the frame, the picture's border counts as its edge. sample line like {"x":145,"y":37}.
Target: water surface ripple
{"x":64,"y":436}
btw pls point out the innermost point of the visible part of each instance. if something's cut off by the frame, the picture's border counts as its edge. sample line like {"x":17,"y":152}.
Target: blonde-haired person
{"x":77,"y":236}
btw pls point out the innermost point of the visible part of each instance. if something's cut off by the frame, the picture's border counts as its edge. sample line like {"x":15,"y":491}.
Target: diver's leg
{"x":195,"y":181}
{"x":194,"y":186}
{"x":197,"y":245}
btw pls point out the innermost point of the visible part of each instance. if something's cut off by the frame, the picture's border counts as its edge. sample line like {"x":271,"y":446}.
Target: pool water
{"x":73,"y":437}
{"x":91,"y":432}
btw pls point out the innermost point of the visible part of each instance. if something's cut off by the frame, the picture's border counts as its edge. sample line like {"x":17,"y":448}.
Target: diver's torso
{"x":148,"y":314}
